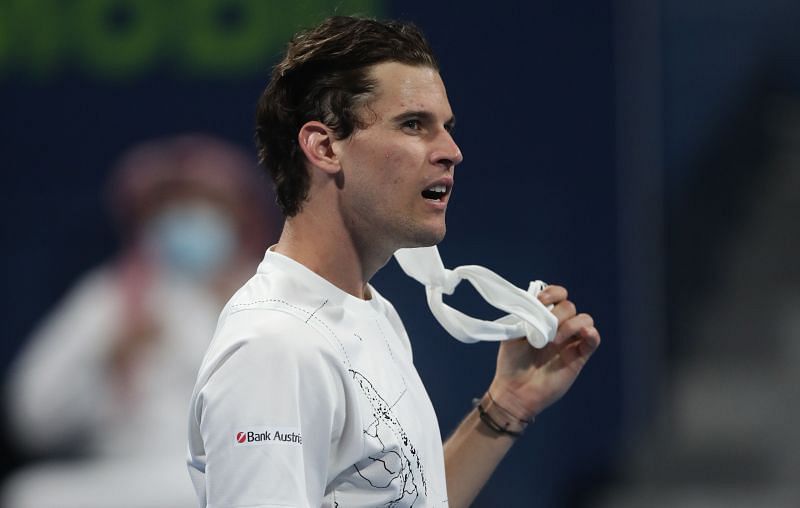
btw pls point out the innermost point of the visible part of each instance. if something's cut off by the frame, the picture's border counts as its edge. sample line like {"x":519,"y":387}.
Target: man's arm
{"x":526,"y":381}
{"x":267,"y":372}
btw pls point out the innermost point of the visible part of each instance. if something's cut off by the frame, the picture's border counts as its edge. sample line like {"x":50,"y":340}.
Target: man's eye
{"x":412,"y":124}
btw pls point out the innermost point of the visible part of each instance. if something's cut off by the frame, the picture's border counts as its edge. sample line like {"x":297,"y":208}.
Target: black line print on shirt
{"x":382,"y":472}
{"x":401,"y":467}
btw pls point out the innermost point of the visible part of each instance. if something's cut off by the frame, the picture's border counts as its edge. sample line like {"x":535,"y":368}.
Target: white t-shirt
{"x":308,"y":397}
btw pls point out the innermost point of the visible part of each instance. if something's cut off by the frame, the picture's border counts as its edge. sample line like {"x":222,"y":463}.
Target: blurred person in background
{"x":103,"y":383}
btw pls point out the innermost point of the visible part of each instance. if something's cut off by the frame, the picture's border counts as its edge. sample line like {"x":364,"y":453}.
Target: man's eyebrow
{"x":425,"y":116}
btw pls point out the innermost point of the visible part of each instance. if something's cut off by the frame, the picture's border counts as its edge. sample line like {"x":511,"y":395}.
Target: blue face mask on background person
{"x":194,"y":239}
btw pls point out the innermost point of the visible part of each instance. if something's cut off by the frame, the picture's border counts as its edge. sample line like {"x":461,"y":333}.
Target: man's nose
{"x":447,"y":152}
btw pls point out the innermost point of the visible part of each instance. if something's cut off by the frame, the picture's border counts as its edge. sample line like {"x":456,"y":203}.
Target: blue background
{"x":595,"y":136}
{"x":532,"y":87}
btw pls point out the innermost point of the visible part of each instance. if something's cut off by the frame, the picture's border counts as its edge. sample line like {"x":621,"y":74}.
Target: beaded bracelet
{"x":490,"y":422}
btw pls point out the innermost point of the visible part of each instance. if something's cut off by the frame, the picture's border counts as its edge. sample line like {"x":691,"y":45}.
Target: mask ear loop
{"x":528,"y":317}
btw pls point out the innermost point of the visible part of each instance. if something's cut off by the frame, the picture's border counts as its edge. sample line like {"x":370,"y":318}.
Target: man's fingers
{"x":564,"y":311}
{"x":575,"y":325}
{"x":552,"y":295}
{"x":590,"y":342}
{"x":590,"y":336}
{"x":570,"y":323}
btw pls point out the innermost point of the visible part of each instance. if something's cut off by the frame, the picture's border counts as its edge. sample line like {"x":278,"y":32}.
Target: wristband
{"x":502,"y":421}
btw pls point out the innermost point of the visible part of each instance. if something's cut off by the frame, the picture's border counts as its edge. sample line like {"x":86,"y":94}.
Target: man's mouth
{"x":435,"y":192}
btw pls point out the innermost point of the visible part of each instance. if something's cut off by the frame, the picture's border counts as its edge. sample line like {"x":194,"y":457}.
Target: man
{"x":308,"y":395}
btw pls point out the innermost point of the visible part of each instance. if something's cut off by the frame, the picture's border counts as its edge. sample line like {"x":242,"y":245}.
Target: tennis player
{"x":308,"y":395}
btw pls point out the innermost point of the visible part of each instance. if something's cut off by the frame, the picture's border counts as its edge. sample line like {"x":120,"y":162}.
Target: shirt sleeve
{"x":270,"y":413}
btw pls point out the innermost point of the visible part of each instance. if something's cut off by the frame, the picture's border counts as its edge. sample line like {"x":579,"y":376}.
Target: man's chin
{"x":425,"y":238}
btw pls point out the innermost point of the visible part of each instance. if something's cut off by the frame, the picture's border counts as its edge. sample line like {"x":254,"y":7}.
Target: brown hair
{"x":324,"y":76}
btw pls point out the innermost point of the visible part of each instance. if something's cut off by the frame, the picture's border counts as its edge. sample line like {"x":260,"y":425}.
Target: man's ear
{"x":316,"y":141}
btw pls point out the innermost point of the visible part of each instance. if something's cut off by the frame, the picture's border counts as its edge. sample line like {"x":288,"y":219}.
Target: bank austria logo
{"x":259,"y":435}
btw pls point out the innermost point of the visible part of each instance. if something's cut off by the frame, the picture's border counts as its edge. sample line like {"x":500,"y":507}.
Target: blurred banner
{"x":121,"y":41}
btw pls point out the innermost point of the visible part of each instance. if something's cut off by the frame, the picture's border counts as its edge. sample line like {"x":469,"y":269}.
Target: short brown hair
{"x":324,"y":76}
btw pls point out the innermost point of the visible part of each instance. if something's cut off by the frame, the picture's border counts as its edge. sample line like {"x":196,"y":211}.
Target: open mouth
{"x":435,"y":192}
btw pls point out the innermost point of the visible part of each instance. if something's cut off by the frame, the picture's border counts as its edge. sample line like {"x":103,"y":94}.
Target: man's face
{"x":398,"y":172}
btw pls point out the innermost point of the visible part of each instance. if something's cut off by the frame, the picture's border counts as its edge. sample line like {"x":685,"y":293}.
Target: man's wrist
{"x":516,"y":407}
{"x":499,"y":419}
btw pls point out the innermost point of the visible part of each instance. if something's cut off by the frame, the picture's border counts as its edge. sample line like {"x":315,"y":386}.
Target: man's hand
{"x":527,"y":380}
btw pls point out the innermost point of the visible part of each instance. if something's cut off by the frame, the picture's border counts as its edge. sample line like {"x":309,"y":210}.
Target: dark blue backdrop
{"x":532,"y":84}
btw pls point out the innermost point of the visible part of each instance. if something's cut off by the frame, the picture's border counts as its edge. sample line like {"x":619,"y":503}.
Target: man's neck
{"x":324,"y":245}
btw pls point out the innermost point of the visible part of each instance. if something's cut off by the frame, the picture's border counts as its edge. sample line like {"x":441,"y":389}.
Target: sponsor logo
{"x":261,"y":435}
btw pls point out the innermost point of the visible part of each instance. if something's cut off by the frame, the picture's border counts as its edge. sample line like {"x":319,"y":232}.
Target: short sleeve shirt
{"x":308,"y":397}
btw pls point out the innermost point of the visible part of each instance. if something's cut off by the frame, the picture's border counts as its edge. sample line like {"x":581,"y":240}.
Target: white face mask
{"x":528,"y":317}
{"x":193,"y":239}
